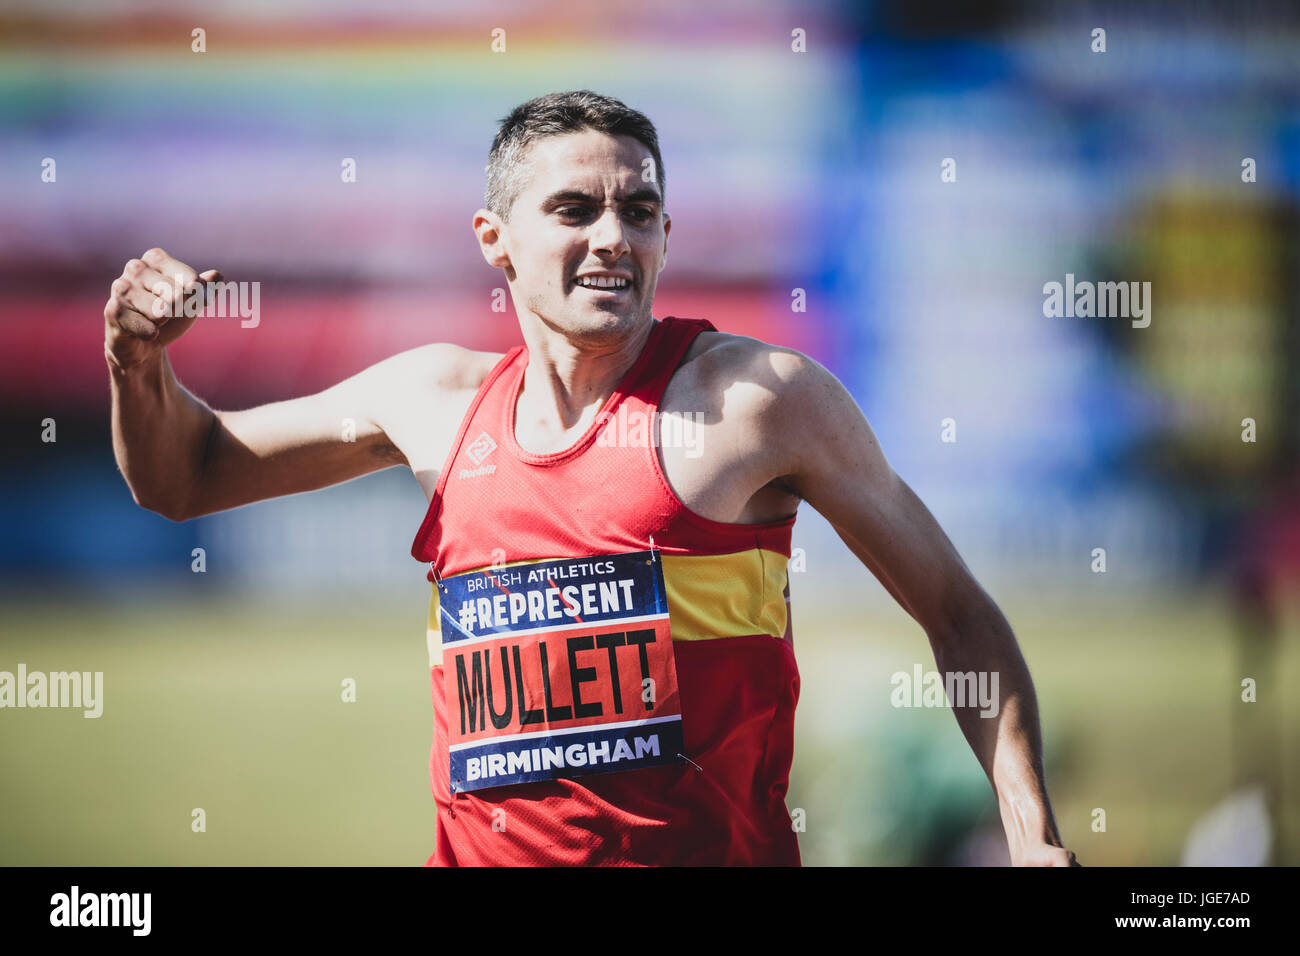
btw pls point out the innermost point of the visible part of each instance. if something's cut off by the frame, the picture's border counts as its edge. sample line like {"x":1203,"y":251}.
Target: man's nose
{"x":607,"y":233}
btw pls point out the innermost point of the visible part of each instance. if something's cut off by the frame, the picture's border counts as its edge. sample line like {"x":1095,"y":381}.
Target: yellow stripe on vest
{"x":726,"y":595}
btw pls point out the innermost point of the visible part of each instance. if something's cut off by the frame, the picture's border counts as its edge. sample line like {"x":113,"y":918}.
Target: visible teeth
{"x":602,"y":282}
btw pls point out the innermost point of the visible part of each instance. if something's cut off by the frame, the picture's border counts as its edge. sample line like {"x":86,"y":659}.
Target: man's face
{"x":584,"y":209}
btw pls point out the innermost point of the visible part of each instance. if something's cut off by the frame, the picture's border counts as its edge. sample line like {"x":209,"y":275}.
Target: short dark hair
{"x":552,"y":115}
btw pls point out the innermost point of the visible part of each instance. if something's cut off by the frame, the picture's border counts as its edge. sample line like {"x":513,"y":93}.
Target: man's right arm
{"x":182,"y":459}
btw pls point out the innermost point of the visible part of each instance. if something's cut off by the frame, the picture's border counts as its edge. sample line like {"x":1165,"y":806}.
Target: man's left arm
{"x":829,"y":456}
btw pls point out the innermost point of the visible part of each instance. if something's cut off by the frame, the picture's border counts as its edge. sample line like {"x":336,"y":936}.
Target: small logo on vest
{"x":478,"y":450}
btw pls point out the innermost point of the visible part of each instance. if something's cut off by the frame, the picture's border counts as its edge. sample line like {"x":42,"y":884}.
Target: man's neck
{"x":567,"y":382}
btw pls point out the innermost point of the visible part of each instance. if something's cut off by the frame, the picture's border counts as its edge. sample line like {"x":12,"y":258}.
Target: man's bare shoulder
{"x":419,"y":398}
{"x":440,"y":367}
{"x":753,"y":371}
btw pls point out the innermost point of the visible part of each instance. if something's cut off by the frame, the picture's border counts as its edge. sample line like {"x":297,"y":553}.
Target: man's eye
{"x":641,"y":214}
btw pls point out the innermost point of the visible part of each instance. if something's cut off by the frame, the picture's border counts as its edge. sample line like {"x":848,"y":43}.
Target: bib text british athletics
{"x":557,"y":669}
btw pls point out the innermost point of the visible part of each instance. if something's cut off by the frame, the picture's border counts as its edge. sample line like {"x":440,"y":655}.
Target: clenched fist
{"x":145,"y":312}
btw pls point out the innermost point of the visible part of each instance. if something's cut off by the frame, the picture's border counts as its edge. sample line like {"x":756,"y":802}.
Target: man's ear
{"x":668,"y":225}
{"x":490,"y":230}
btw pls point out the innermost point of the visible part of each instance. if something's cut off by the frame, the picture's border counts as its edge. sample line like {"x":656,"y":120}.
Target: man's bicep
{"x":841,"y":470}
{"x":298,"y":445}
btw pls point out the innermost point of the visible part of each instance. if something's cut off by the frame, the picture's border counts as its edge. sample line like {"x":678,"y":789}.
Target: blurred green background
{"x":236,"y":707}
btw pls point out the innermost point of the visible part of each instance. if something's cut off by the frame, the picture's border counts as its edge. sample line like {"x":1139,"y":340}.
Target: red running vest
{"x":728,"y":606}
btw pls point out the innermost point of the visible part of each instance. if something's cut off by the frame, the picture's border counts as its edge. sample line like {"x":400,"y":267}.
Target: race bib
{"x":558,"y":669}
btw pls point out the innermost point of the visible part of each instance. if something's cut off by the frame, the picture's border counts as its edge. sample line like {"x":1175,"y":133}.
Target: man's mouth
{"x":603,"y":285}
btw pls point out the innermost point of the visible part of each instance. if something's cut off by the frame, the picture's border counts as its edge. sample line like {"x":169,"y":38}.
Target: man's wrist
{"x":1028,"y":823}
{"x":119,"y":367}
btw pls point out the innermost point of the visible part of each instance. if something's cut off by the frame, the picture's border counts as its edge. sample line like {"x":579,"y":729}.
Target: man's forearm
{"x":160,"y":435}
{"x":1008,"y":742}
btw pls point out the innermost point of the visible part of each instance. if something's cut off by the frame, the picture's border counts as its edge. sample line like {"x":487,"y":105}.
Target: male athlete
{"x":612,"y":667}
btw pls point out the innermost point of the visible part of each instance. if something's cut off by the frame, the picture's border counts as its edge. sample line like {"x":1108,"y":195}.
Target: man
{"x":611,"y":661}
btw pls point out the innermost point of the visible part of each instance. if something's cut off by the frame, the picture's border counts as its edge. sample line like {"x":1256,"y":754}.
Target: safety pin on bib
{"x":437,"y":579}
{"x":691,"y":762}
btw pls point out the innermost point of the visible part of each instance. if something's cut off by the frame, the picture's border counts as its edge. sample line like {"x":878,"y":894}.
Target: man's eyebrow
{"x":645,"y":194}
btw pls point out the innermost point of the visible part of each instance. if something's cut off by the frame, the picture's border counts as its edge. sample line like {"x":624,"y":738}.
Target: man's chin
{"x":593,"y":320}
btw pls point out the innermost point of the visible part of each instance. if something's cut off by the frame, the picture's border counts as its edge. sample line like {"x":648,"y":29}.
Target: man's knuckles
{"x":158,"y":260}
{"x":148,"y":292}
{"x":133,"y":323}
